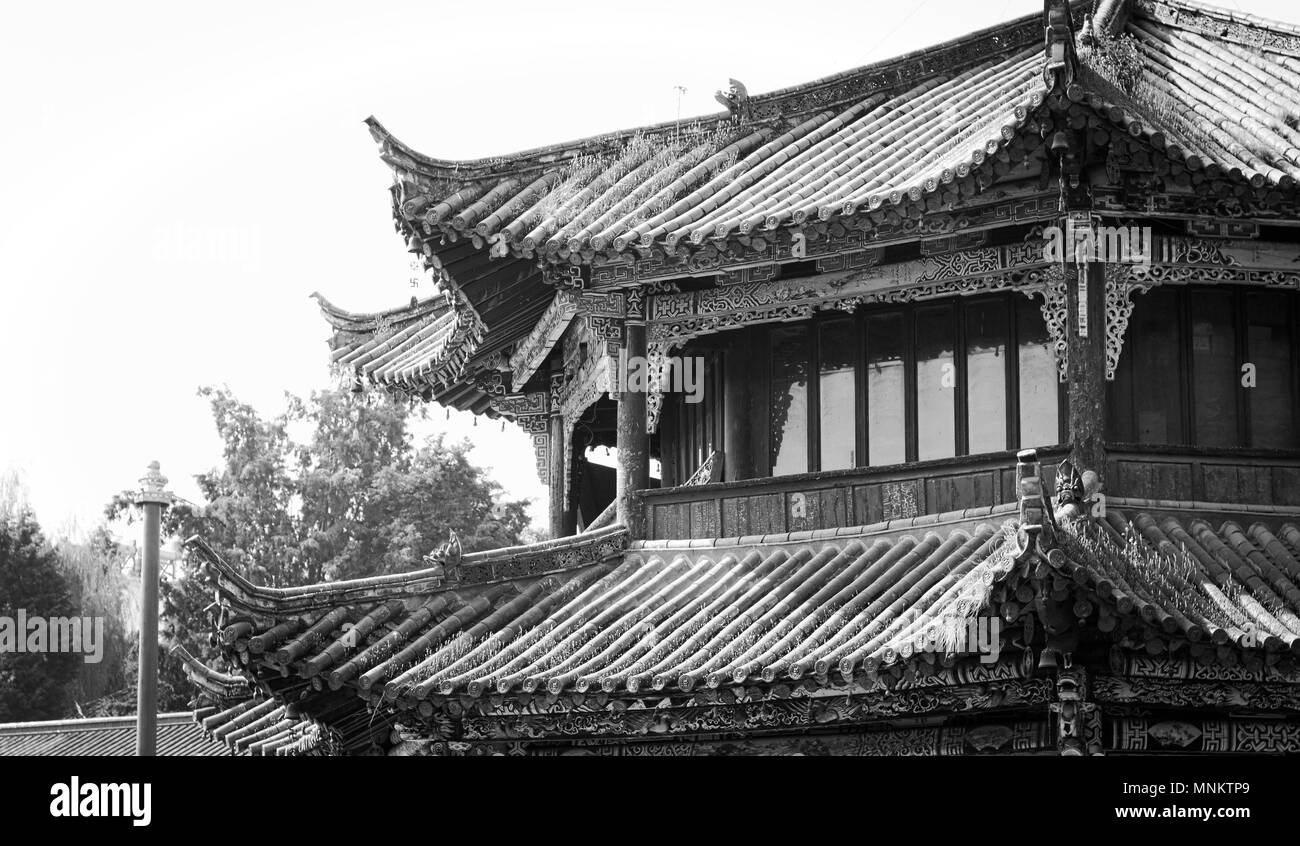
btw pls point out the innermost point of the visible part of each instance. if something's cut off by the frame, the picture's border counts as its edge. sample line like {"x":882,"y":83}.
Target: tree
{"x":357,"y":498}
{"x":92,"y":567}
{"x":33,"y":685}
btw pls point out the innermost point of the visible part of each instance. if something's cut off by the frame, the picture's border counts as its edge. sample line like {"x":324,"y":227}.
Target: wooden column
{"x":633,"y":446}
{"x":1086,"y":365}
{"x":736,"y":369}
{"x":555,"y":454}
{"x":555,"y":457}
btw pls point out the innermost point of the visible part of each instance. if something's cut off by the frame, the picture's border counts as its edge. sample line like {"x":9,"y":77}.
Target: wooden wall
{"x":1236,"y":476}
{"x":828,"y":500}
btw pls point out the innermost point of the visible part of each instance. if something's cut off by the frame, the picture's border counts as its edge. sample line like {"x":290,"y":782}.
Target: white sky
{"x":175,"y":180}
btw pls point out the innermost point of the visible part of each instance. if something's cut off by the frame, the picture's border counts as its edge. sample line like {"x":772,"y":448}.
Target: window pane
{"x":1154,"y":339}
{"x":886,"y":417}
{"x":986,"y":375}
{"x":1214,"y":368}
{"x":1269,"y":349}
{"x":935,"y":379}
{"x":837,"y":394}
{"x":1039,"y":384}
{"x":789,"y":401}
{"x":1119,"y":410}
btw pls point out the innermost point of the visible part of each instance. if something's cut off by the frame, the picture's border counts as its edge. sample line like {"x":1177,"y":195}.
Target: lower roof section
{"x":414,"y":349}
{"x":178,"y":734}
{"x":946,"y":599}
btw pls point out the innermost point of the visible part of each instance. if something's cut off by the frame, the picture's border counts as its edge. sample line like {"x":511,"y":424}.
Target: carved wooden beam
{"x":533,"y":350}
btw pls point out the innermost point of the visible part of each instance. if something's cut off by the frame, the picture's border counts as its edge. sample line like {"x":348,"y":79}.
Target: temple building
{"x":954,"y":405}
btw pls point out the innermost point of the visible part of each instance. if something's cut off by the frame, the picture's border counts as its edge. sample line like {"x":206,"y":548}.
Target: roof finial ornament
{"x":1060,"y":68}
{"x":736,"y":99}
{"x":1076,"y":493}
{"x":153,"y":486}
{"x":448,"y":555}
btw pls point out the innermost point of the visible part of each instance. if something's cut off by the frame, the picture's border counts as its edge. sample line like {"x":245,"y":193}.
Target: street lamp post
{"x":153,"y":499}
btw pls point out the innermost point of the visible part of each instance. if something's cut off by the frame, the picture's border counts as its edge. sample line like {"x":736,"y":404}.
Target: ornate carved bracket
{"x":537,"y":427}
{"x":707,"y":472}
{"x":493,"y":383}
{"x":515,"y":405}
{"x":1122,"y":281}
{"x":1055,"y":313}
{"x":565,"y":276}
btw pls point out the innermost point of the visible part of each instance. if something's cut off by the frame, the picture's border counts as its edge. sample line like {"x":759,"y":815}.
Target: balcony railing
{"x":832,"y":499}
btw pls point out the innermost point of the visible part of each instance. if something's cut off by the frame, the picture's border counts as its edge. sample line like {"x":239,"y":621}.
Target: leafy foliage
{"x":33,"y":686}
{"x":1117,"y":58}
{"x":93,"y":569}
{"x":355,"y":497}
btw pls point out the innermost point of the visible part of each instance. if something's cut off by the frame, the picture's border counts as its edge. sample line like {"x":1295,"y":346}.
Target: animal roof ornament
{"x":448,"y":555}
{"x":1076,"y":492}
{"x":736,"y":99}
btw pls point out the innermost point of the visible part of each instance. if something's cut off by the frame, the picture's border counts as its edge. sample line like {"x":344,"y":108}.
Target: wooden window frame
{"x":960,"y":315}
{"x":1188,"y":381}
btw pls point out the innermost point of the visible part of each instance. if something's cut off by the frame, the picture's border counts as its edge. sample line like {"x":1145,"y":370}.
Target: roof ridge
{"x":1234,"y":16}
{"x":422,"y":582}
{"x":354,"y":321}
{"x":1199,"y":505}
{"x":456,"y":168}
{"x":92,"y":723}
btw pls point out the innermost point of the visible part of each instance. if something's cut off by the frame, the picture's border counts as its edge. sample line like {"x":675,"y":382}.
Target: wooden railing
{"x":709,"y":471}
{"x":833,"y":499}
{"x":869,"y":495}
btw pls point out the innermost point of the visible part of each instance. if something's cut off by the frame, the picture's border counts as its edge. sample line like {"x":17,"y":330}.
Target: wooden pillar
{"x":555,"y":458}
{"x":633,"y":446}
{"x":574,"y":470}
{"x":1085,"y":288}
{"x":555,"y":454}
{"x":736,"y":368}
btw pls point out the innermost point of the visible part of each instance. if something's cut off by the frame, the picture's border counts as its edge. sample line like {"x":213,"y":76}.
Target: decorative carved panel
{"x":534,"y":349}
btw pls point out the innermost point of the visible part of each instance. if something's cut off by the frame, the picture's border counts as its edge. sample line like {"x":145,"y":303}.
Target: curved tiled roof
{"x":221,"y":687}
{"x":1220,"y":99}
{"x":258,"y":726}
{"x":1230,"y":584}
{"x":696,"y":618}
{"x":1213,"y":102}
{"x":726,"y":616}
{"x":177,"y":735}
{"x":884,"y":148}
{"x":772,"y":608}
{"x":424,"y":344}
{"x":1225,"y":103}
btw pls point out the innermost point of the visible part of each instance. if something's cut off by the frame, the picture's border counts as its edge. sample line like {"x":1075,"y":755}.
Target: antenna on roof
{"x":677,"y":129}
